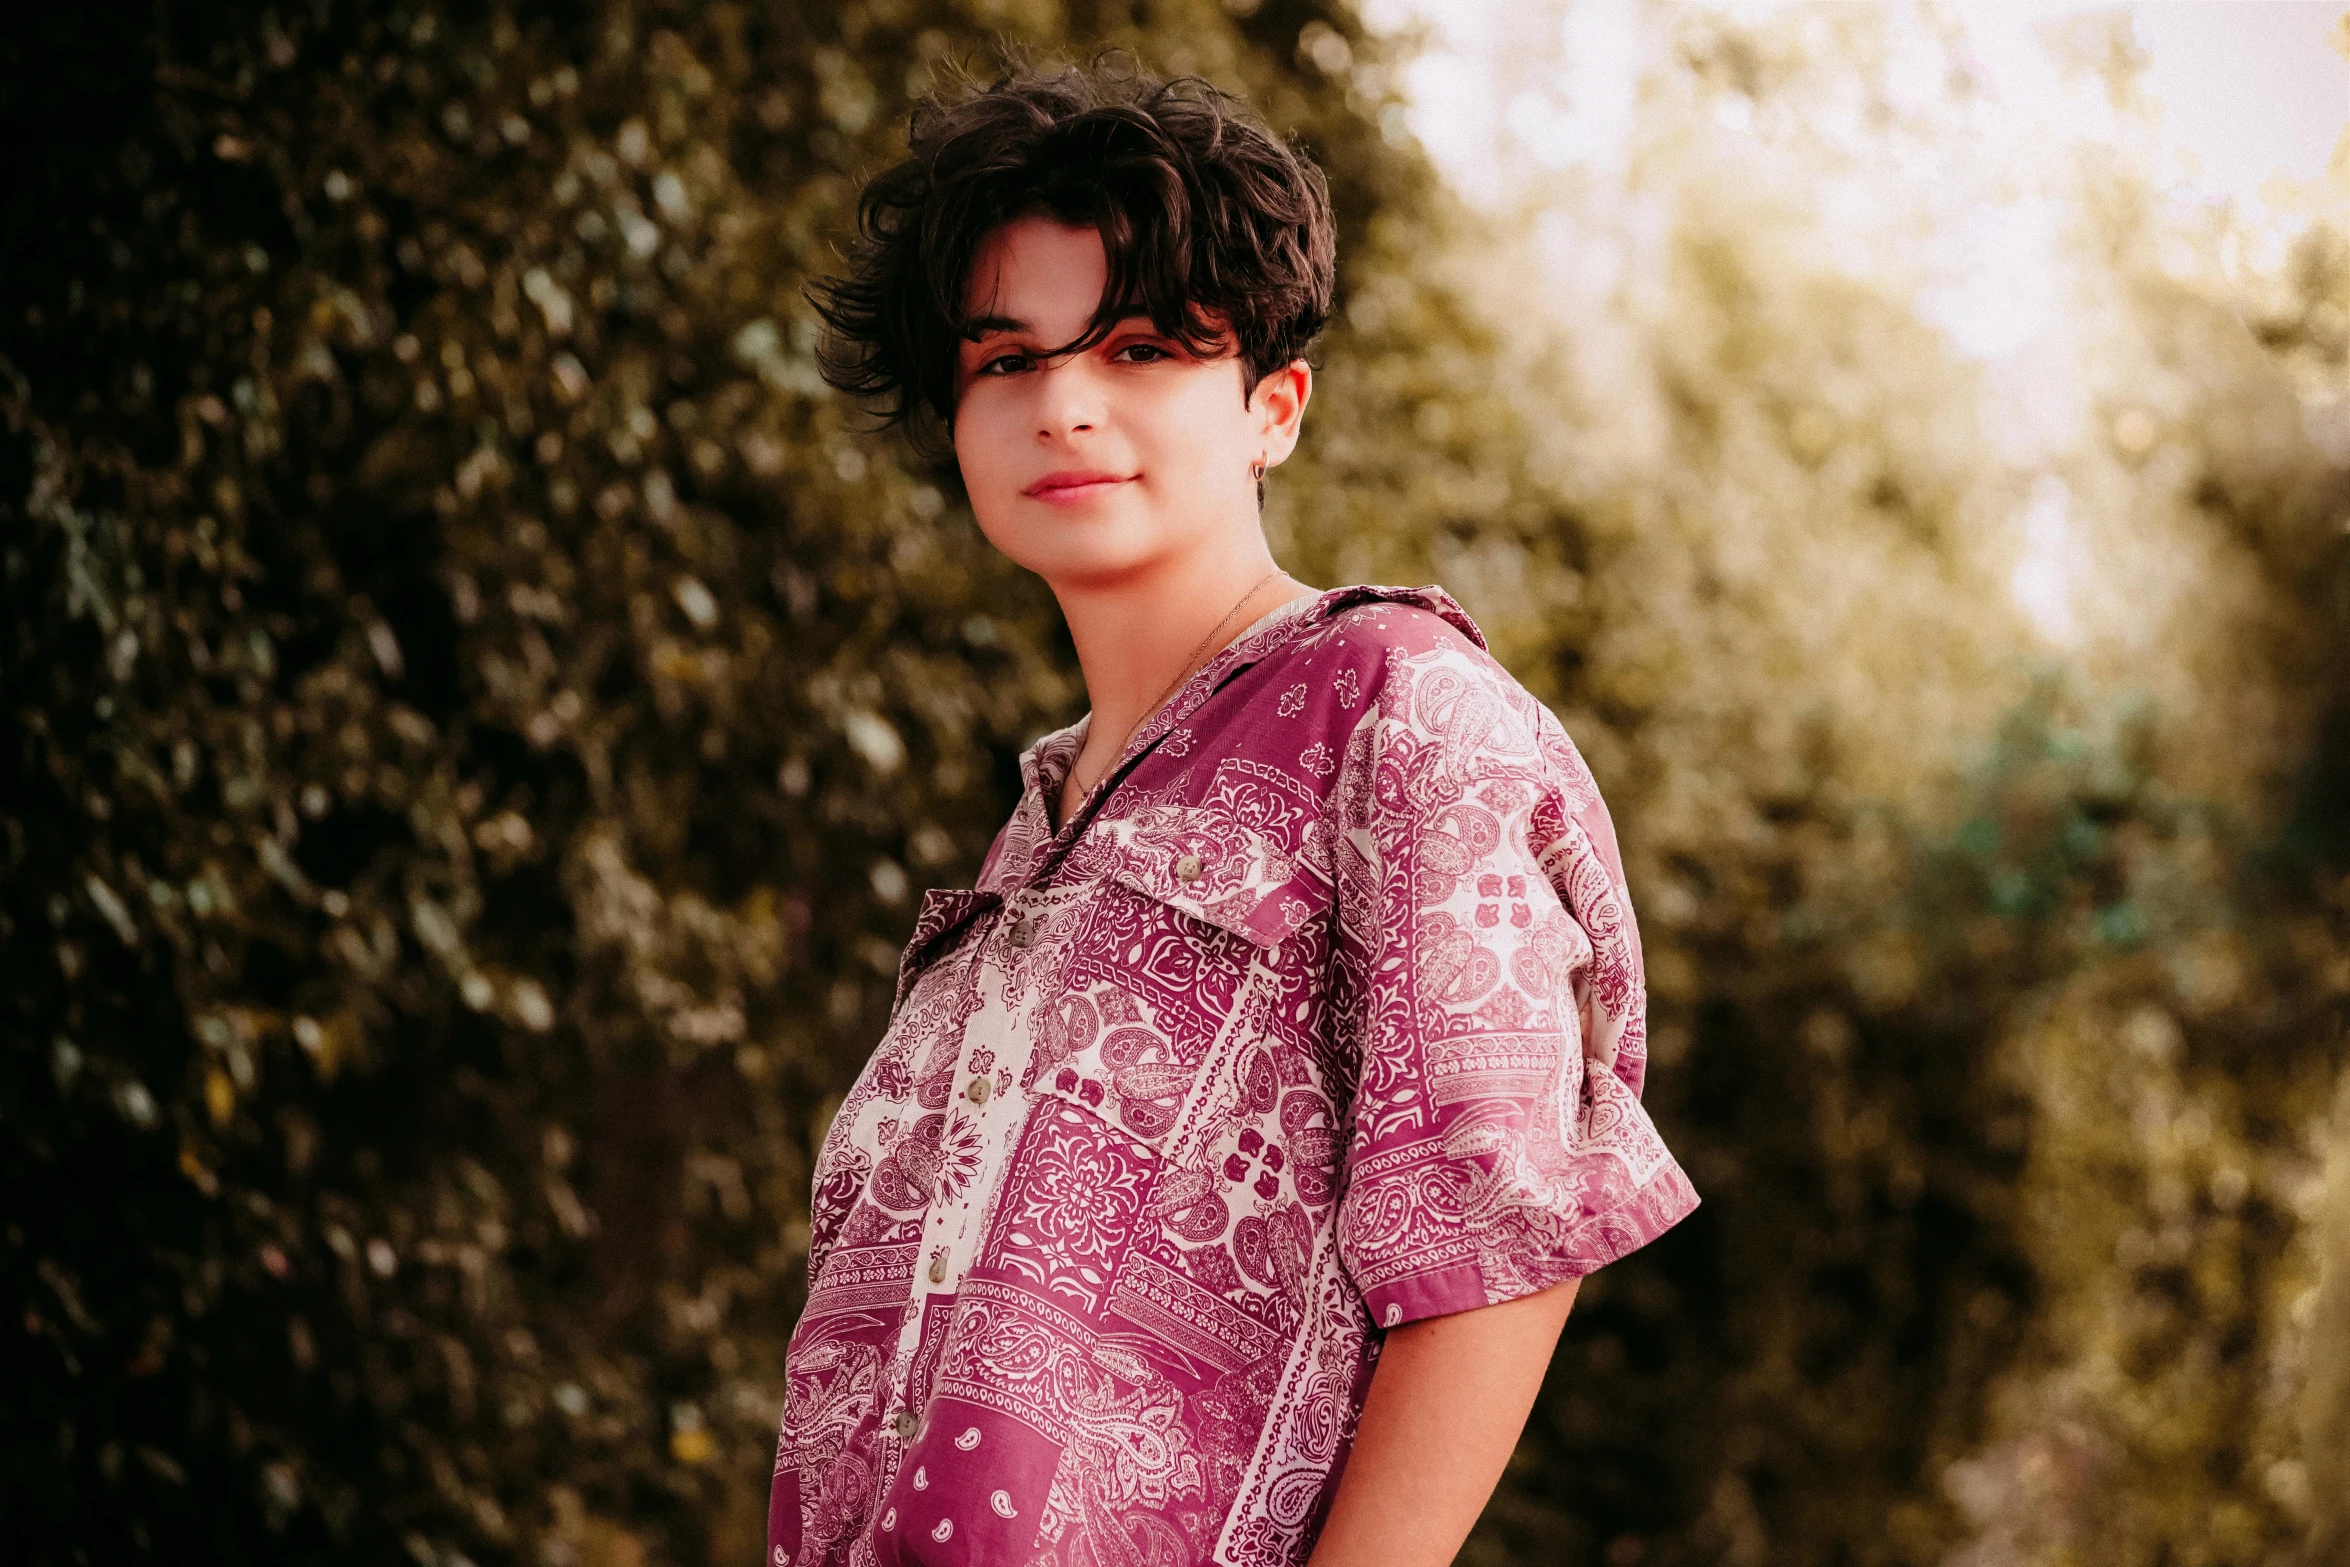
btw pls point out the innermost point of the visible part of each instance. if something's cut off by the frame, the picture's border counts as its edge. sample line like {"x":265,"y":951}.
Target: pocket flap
{"x":1220,"y":871}
{"x":944,"y":911}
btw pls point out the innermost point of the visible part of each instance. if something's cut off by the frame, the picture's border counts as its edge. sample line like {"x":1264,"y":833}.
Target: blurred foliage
{"x":1996,"y":986}
{"x":478,"y":710}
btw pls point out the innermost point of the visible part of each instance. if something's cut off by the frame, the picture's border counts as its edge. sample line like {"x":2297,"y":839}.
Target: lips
{"x":1076,"y":484}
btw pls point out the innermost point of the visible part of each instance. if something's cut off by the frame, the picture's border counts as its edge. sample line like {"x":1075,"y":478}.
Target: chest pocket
{"x":1185,"y":907}
{"x":1215,"y":867}
{"x":1261,"y":913}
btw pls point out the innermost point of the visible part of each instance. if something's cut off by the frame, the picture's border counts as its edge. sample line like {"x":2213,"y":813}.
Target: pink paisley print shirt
{"x":1323,"y":1013}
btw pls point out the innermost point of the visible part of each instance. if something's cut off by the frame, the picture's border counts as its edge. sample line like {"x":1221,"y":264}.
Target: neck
{"x":1135,"y":632}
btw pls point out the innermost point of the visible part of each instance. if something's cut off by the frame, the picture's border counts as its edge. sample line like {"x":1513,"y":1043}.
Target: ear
{"x":1277,"y":405}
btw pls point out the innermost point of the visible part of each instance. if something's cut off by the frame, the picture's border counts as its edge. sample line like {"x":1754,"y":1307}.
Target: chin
{"x":1088,"y":561}
{"x":1072,"y":546}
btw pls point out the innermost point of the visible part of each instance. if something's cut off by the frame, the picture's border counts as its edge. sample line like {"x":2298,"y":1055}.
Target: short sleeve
{"x":1494,"y":999}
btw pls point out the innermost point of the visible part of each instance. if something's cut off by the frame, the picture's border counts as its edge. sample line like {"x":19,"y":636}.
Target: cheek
{"x":989,"y":453}
{"x":979,"y":439}
{"x":1205,"y":422}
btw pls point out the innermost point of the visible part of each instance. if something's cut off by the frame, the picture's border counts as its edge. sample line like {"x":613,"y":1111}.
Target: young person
{"x":1223,"y":1179}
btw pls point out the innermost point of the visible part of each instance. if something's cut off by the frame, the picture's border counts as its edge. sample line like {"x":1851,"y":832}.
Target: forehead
{"x":1038,"y":271}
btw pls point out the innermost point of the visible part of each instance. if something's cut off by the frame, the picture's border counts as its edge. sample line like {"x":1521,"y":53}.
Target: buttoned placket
{"x":988,"y":1104}
{"x":950,"y":1233}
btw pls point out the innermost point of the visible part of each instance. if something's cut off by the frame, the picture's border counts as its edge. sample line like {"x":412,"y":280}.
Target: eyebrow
{"x":980,"y":326}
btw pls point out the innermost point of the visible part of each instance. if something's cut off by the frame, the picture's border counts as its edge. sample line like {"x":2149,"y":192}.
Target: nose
{"x":1069,"y":399}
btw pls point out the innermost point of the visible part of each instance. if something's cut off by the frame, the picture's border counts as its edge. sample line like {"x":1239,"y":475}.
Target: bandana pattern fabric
{"x":1322,"y":1015}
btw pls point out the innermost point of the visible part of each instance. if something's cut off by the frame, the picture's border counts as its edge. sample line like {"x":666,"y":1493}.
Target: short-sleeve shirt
{"x":1322,"y":1014}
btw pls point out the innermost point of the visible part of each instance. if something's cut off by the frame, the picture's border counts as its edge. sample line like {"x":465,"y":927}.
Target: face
{"x":1099,"y":464}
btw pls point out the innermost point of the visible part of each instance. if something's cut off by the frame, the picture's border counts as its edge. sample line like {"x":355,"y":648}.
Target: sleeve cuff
{"x":1661,"y":1202}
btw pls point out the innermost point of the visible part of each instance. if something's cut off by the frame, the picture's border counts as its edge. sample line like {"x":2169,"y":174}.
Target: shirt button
{"x":907,"y":1424}
{"x":938,"y":1269}
{"x":1187,"y":868}
{"x":1023,"y":932}
{"x":978,"y":1091}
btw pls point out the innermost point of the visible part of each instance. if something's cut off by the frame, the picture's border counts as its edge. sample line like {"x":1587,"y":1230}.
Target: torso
{"x":1082,"y":1284}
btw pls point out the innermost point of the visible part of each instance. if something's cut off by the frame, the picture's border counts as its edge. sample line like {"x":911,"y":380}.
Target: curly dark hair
{"x":1204,"y":213}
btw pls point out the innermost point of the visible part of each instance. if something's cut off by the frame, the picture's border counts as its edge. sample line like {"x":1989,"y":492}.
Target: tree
{"x":478,"y":709}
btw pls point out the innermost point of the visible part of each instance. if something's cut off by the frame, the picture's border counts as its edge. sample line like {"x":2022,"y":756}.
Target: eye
{"x":1002,"y":364}
{"x":1152,"y":353}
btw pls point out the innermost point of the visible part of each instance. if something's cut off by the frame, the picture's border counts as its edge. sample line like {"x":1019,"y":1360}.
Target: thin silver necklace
{"x":1190,"y":667}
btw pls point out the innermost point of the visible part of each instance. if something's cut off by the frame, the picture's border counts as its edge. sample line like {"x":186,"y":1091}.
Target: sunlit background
{"x":480,"y":713}
{"x":1955,"y":175}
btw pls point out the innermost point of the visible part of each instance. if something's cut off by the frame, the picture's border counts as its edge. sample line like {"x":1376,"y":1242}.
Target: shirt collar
{"x":1046,"y":762}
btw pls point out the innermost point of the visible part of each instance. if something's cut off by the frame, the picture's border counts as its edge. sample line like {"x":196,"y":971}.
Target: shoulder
{"x":1404,"y":671}
{"x":1424,"y":672}
{"x":1445,"y":707}
{"x":1416,"y":621}
{"x":1361,"y":650}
